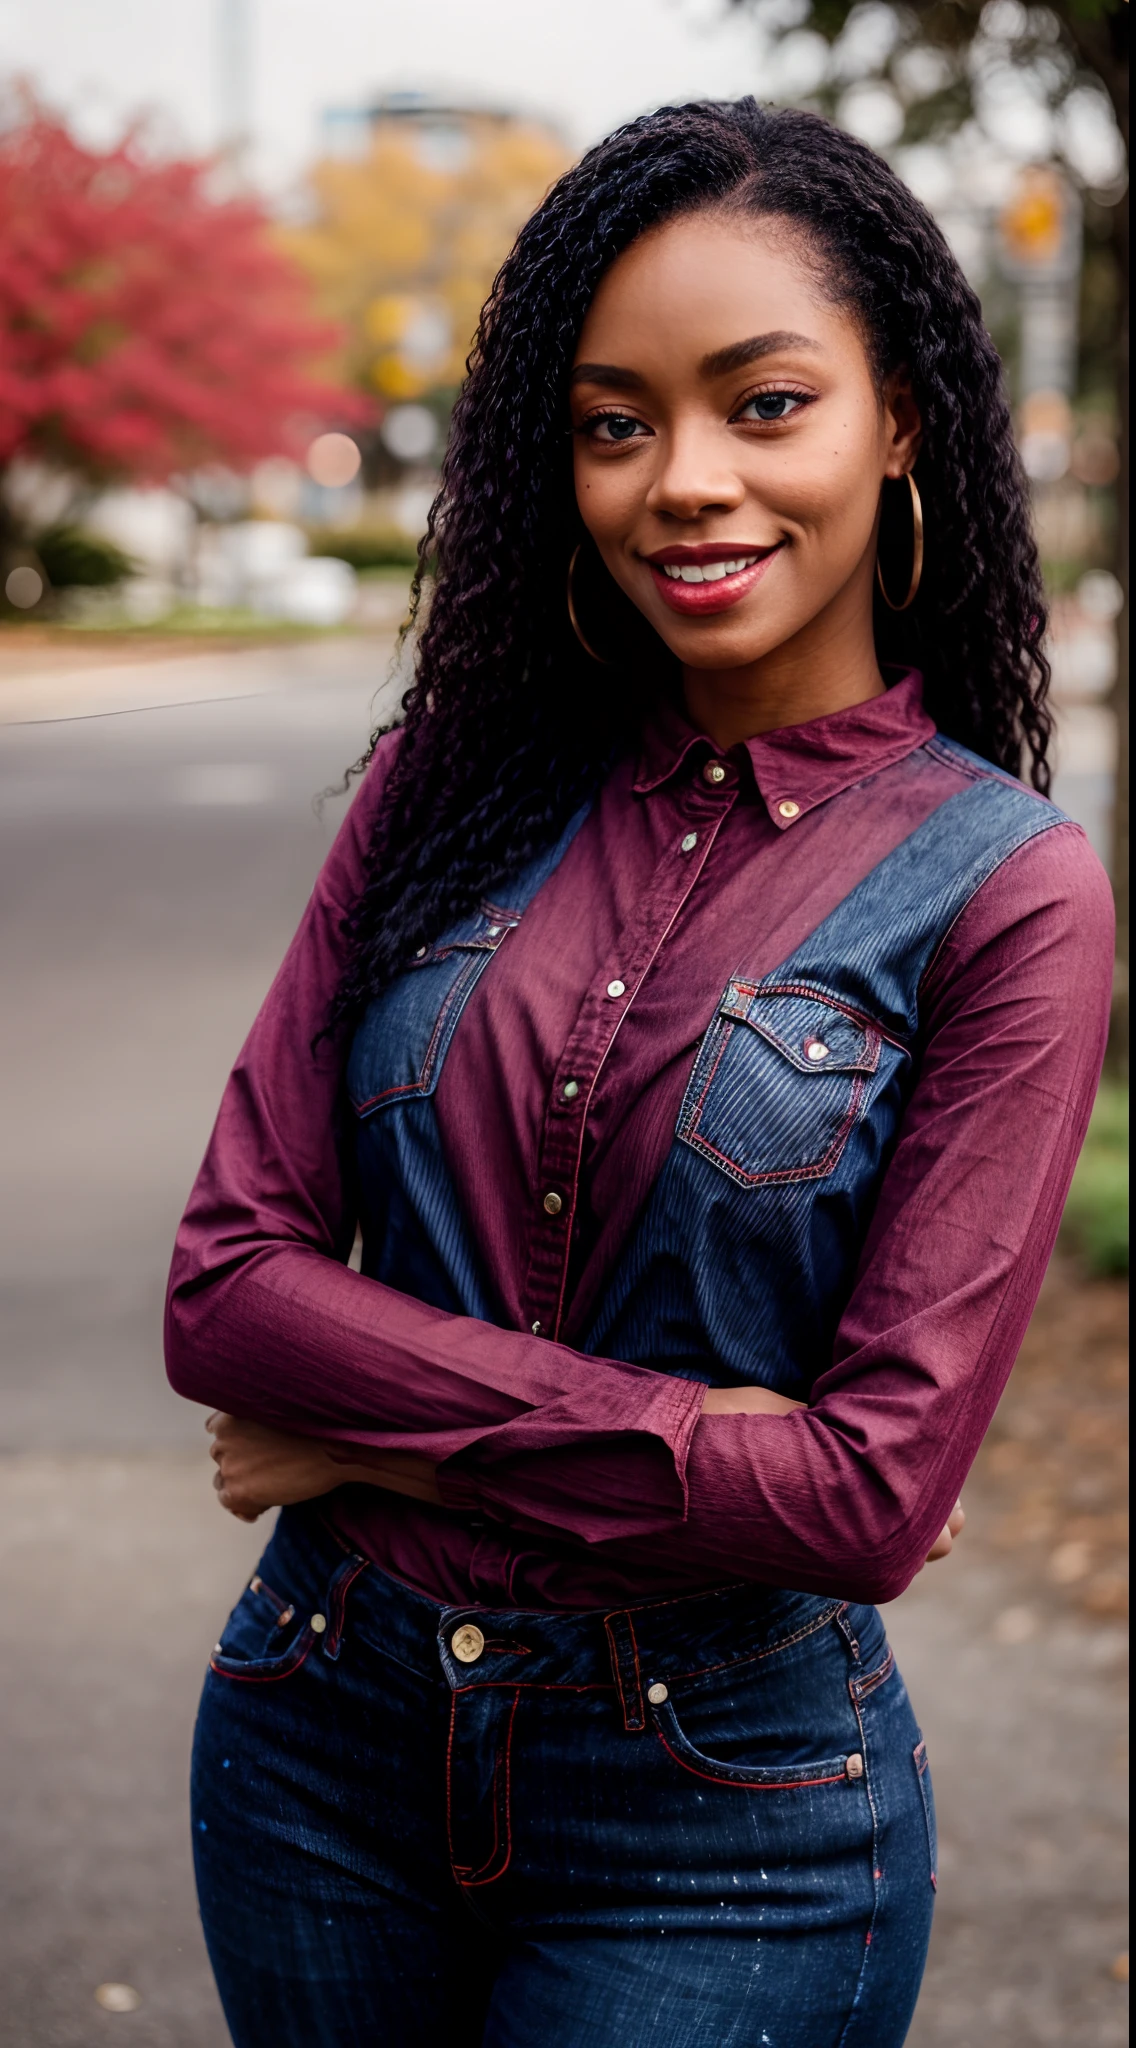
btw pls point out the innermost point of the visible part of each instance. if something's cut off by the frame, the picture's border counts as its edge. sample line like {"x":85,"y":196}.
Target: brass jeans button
{"x":467,"y":1643}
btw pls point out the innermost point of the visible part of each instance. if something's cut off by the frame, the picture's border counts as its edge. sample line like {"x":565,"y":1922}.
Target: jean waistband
{"x":627,"y":1648}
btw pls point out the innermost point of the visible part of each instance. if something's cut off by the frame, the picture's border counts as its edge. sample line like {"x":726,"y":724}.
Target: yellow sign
{"x":1033,"y":222}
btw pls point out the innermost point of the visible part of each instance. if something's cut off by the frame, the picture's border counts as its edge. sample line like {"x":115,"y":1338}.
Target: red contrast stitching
{"x":786,"y":1173}
{"x":502,"y":1769}
{"x":744,"y":1785}
{"x":425,"y":1072}
{"x":862,"y":1688}
{"x":266,"y":1677}
{"x":802,"y":988}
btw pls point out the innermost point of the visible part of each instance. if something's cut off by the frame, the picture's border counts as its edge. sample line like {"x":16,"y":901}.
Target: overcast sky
{"x":586,"y":63}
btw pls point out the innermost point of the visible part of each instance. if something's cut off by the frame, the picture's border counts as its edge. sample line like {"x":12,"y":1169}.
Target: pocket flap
{"x":813,"y":1031}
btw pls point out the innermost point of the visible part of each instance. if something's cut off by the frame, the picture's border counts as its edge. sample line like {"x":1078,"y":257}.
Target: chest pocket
{"x":402,"y":1042}
{"x":779,"y":1083}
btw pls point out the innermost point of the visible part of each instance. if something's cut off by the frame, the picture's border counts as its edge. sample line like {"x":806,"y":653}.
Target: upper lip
{"x":694,"y":553}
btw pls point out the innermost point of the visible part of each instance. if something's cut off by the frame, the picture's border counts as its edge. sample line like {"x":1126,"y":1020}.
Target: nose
{"x":696,"y":475}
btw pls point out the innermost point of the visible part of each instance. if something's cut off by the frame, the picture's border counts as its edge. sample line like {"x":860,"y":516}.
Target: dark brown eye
{"x":771,"y":405}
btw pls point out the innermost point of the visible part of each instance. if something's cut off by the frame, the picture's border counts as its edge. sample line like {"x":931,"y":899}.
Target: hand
{"x":762,"y":1401}
{"x":259,"y":1468}
{"x":944,"y":1544}
{"x":747,"y":1401}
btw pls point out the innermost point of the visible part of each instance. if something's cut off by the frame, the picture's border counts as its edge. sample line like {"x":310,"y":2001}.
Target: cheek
{"x":607,"y":494}
{"x":828,"y":487}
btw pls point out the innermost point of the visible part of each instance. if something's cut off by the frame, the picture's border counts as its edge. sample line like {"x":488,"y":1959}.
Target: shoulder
{"x":1044,"y":918}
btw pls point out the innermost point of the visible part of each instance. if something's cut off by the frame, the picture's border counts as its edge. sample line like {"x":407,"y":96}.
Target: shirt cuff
{"x":589,"y":1480}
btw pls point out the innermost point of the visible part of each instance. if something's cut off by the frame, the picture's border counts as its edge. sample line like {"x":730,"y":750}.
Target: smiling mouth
{"x":707,"y":572}
{"x":713,"y":584}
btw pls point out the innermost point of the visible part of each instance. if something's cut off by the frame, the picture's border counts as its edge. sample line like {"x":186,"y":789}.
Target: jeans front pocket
{"x":927,"y":1794}
{"x":779,"y":1082}
{"x":268,"y":1635}
{"x":845,"y":1769}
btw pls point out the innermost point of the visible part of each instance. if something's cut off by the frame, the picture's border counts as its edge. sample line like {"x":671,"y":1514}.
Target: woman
{"x":701,"y":1020}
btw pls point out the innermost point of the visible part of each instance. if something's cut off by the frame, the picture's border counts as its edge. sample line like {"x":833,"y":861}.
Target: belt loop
{"x":625,"y":1670}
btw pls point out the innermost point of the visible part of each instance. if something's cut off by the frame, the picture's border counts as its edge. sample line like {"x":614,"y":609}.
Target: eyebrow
{"x":737,"y":356}
{"x":740,"y":354}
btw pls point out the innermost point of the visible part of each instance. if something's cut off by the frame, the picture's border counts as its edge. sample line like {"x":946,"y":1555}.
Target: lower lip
{"x":697,"y":599}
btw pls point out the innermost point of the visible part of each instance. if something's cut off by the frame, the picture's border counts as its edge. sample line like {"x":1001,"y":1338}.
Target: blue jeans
{"x":699,"y":1821}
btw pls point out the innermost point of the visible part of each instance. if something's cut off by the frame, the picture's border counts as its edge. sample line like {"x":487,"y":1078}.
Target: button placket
{"x":601,"y":1014}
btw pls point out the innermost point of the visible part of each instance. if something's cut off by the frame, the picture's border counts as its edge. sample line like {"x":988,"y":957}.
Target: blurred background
{"x":243,"y":244}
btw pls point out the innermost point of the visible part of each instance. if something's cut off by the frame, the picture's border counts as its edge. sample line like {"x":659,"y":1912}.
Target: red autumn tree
{"x":145,"y":326}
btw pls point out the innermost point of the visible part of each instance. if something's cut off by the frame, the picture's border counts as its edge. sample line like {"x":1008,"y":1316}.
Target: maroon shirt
{"x":576,"y":1481}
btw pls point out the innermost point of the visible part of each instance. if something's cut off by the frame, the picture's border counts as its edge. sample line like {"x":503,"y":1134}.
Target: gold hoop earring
{"x":916,"y":551}
{"x":576,"y":627}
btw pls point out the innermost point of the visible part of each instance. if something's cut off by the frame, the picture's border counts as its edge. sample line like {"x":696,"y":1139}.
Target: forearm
{"x":289,"y":1337}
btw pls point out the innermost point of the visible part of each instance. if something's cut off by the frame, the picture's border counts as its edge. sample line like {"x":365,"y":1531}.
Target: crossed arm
{"x":260,"y":1468}
{"x":336,"y":1377}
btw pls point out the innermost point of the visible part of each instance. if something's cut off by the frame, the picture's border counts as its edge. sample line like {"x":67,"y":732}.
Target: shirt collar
{"x":798,"y":767}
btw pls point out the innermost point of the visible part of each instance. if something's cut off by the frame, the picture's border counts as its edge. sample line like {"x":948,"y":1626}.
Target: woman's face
{"x":731,"y":442}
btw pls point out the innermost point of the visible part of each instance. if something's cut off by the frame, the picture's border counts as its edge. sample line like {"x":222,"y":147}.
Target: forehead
{"x":699,"y":283}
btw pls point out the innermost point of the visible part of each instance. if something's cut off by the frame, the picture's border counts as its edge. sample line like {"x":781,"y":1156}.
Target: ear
{"x":903,"y":425}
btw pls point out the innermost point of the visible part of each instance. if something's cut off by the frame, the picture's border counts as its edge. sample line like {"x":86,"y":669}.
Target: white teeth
{"x":706,"y":572}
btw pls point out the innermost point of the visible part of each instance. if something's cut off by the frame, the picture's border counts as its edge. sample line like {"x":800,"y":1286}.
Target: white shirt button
{"x":617,"y":988}
{"x":690,"y":842}
{"x":570,"y":1090}
{"x":788,"y":809}
{"x":713,"y":773}
{"x":537,"y":1328}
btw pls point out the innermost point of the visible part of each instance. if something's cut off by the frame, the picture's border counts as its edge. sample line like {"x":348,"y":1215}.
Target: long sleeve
{"x":265,"y":1319}
{"x":848,"y":1495}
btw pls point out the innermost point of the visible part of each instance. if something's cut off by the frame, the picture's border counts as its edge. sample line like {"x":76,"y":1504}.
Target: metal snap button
{"x":421,"y":953}
{"x":494,"y":932}
{"x":854,"y":1768}
{"x":690,"y":842}
{"x":617,"y":988}
{"x":318,"y":1622}
{"x":816,"y":1050}
{"x":537,"y":1328}
{"x":657,"y":1694}
{"x":467,"y":1643}
{"x":788,"y":809}
{"x":714,"y":773}
{"x":552,"y":1204}
{"x":570,"y":1090}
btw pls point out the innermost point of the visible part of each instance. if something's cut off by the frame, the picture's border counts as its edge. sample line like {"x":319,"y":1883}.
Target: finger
{"x":957,"y":1520}
{"x":941,"y":1547}
{"x":211,"y":1421}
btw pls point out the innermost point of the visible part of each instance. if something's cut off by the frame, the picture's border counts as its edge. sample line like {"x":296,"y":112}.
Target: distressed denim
{"x":699,"y":1821}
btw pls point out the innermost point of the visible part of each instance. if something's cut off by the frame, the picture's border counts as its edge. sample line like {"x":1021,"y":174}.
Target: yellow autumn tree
{"x":406,"y":238}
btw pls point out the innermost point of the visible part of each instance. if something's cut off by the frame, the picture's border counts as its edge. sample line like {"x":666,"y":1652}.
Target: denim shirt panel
{"x":415,"y":1236}
{"x":746,"y":1252}
{"x":744,"y":1255}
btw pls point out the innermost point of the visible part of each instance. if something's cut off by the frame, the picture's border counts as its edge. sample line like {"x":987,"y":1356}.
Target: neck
{"x":828,"y":667}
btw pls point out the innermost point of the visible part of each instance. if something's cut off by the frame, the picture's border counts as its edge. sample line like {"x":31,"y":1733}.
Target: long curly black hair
{"x":508,"y":726}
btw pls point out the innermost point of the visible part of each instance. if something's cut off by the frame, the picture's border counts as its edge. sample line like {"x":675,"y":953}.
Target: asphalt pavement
{"x":157,"y":841}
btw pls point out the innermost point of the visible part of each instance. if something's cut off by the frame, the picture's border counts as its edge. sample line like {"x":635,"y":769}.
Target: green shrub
{"x":1096,"y":1214}
{"x":72,"y":557}
{"x":376,"y":548}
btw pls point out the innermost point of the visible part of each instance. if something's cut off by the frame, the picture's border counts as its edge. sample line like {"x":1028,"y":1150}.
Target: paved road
{"x":155,"y":862}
